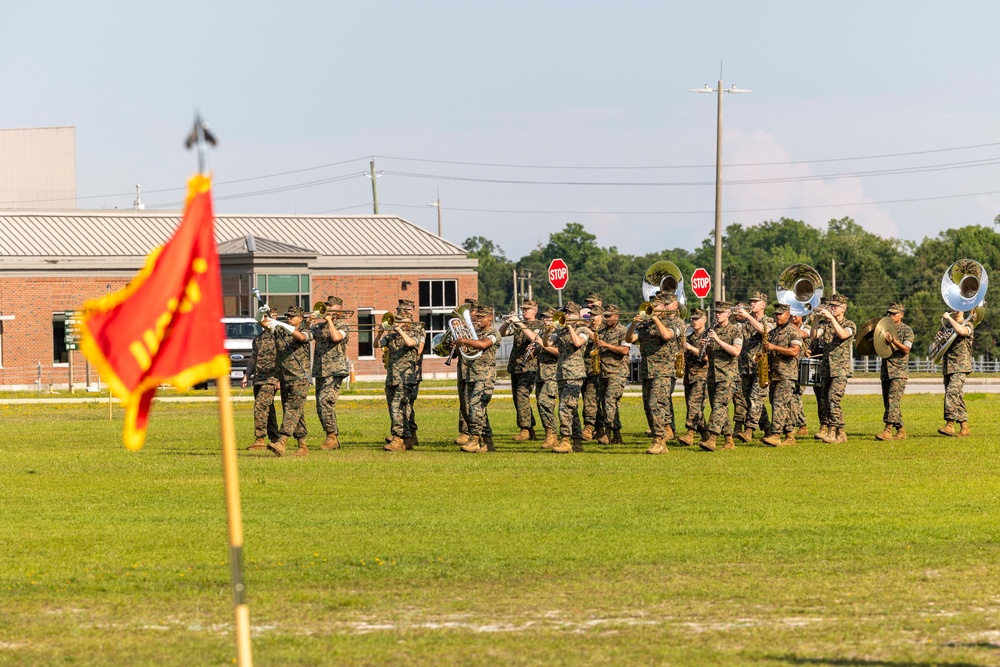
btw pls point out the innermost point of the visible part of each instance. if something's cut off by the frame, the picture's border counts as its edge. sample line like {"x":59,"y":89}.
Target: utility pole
{"x":833,"y":276}
{"x":437,"y":204}
{"x":718,"y":168}
{"x":373,"y":176}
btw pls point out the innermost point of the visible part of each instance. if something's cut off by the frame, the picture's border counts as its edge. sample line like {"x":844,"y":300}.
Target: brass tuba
{"x":664,"y":276}
{"x":963,"y":288}
{"x":800,"y":287}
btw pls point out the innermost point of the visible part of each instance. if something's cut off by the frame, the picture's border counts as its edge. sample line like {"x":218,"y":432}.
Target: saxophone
{"x":705,"y":342}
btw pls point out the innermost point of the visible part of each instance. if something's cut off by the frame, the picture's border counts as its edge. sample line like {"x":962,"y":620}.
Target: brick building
{"x":52,"y":262}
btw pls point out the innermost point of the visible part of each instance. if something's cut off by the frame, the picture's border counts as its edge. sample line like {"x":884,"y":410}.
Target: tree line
{"x":871,"y":270}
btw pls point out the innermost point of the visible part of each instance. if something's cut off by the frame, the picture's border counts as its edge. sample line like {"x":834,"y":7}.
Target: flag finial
{"x":200,"y":136}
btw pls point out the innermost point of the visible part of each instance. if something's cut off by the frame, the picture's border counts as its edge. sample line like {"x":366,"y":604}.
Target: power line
{"x":258,"y":193}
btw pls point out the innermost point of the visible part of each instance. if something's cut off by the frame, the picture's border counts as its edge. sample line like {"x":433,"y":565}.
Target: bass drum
{"x":809,"y":372}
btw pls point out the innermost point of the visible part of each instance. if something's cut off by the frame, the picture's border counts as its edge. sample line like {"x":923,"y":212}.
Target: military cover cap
{"x":549,"y":312}
{"x":334,"y":301}
{"x":758,"y":296}
{"x":838,"y":299}
{"x":723,"y":305}
{"x":594,"y":296}
{"x":484,"y":310}
{"x":295,"y":311}
{"x":529,"y":303}
{"x":596,"y":310}
{"x":696,"y":313}
{"x":666,"y":298}
{"x":895,"y":307}
{"x":612,"y":309}
{"x":472,"y":302}
{"x":572,"y":307}
{"x":780,"y":308}
{"x":405,"y":303}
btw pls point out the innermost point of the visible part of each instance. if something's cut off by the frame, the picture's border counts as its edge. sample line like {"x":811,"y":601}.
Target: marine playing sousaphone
{"x":800,"y":287}
{"x":963,"y":288}
{"x":664,"y":276}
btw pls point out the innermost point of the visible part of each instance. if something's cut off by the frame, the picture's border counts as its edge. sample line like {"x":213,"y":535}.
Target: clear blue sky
{"x":290,"y":86}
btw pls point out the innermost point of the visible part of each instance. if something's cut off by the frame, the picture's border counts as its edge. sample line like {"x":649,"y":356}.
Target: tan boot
{"x":708,"y":443}
{"x":522,"y":435}
{"x":473,"y":444}
{"x":588,"y":432}
{"x":303,"y":449}
{"x":965,"y":429}
{"x":278,"y":446}
{"x":789,"y":440}
{"x":486,"y":444}
{"x":550,"y":440}
{"x":599,"y":433}
{"x":577,"y":445}
{"x":886,"y":433}
{"x":395,"y":445}
{"x":659,"y":447}
{"x":668,"y":434}
{"x":259,"y":443}
{"x":565,"y":446}
{"x":831,"y":435}
{"x":462,"y":438}
{"x":729,"y":443}
{"x":604,"y":437}
{"x":821,"y":433}
{"x":841,"y":435}
{"x":616,"y":437}
{"x":900,"y":434}
{"x":331,"y":442}
{"x":746,"y":435}
{"x":802,"y":432}
{"x":773,"y":440}
{"x":948,"y":429}
{"x":687,"y":438}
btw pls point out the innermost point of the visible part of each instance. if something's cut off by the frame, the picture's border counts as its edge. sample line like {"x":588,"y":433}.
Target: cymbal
{"x":864,"y":341}
{"x":884,"y":326}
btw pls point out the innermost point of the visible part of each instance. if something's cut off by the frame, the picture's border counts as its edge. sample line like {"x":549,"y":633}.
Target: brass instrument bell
{"x":800,"y":287}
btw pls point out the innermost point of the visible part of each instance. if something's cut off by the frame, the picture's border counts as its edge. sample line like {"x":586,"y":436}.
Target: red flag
{"x":165,"y":326}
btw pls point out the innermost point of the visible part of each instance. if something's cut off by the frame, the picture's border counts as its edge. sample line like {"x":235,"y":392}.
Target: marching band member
{"x":546,"y":354}
{"x":263,"y":368}
{"x":292,"y":344}
{"x":329,"y":367}
{"x":480,"y":377}
{"x":782,"y":346}
{"x":817,"y":346}
{"x":591,"y":383}
{"x":654,"y":336}
{"x":750,"y":412}
{"x":419,"y":334}
{"x":614,"y":375}
{"x":695,"y":379}
{"x":523,"y":370}
{"x":837,"y":333}
{"x":401,"y":340}
{"x":463,"y":409}
{"x":798,"y":410}
{"x":571,"y":371}
{"x":955,"y":367}
{"x":894,"y":373}
{"x":726,"y":343}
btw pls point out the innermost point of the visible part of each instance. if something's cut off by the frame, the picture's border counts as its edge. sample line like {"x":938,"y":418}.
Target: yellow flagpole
{"x":234,"y":517}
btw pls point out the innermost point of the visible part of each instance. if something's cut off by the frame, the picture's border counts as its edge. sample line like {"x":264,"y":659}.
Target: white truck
{"x":240,"y":332}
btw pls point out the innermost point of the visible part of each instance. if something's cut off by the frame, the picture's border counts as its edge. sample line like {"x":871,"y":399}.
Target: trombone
{"x":320,"y":310}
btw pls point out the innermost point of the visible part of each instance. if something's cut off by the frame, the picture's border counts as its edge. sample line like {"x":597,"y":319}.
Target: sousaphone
{"x":800,"y":287}
{"x":664,"y":276}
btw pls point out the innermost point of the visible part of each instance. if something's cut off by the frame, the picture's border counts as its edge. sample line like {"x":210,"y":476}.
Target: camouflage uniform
{"x":262,"y":367}
{"x":658,"y":355}
{"x":418,"y":333}
{"x":818,"y":350}
{"x":894,"y":375}
{"x":783,"y":374}
{"x":695,"y":383}
{"x":723,"y":371}
{"x":750,"y":409}
{"x":329,"y":368}
{"x":798,"y":410}
{"x":956,"y":366}
{"x":837,"y":368}
{"x":293,"y":366}
{"x":523,"y":374}
{"x":614,"y":375}
{"x":401,"y":373}
{"x":547,"y":390}
{"x":591,"y":388}
{"x":480,"y":377}
{"x":571,"y":371}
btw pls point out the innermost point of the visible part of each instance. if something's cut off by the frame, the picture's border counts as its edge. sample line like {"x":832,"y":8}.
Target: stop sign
{"x":701,"y":283}
{"x":558,"y":273}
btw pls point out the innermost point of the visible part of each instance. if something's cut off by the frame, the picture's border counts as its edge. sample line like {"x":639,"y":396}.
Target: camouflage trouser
{"x":694,"y":401}
{"x":798,"y":411}
{"x":609,"y":396}
{"x":546,"y":394}
{"x":411,"y":419}
{"x":660,"y":406}
{"x":822,"y":402}
{"x":750,"y":404}
{"x":327,"y":393}
{"x":477,"y":396}
{"x":396,"y":398}
{"x":463,"y":409}
{"x":569,"y":416}
{"x":293,"y":407}
{"x":670,"y":403}
{"x":782,"y":405}
{"x":645,"y":405}
{"x":834,"y":388}
{"x":892,"y":396}
{"x":954,"y":400}
{"x":521,"y":385}
{"x":265,"y":420}
{"x":720,"y":394}
{"x":591,"y":403}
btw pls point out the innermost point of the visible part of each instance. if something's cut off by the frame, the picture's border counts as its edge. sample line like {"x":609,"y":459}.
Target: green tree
{"x":496,"y":280}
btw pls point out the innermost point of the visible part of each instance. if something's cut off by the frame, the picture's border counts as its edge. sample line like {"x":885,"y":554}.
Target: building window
{"x":282,"y":291}
{"x":59,"y":353}
{"x":438,"y":294}
{"x":366,"y":326}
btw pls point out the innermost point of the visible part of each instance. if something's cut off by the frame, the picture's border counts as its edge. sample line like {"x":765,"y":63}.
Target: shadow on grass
{"x":861,"y":662}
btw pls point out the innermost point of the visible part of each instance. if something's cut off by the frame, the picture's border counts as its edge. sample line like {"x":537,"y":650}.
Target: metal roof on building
{"x":131,"y":233}
{"x":251,"y":244}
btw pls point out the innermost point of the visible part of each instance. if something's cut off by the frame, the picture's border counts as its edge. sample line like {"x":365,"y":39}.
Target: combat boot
{"x":565,"y":446}
{"x":831,"y":435}
{"x":659,"y":447}
{"x":965,"y":429}
{"x":473,"y":444}
{"x":668,"y":434}
{"x":803,"y":431}
{"x":789,"y":440}
{"x":708,"y":443}
{"x":746,"y":435}
{"x":303,"y":449}
{"x":577,"y":445}
{"x":821,"y":433}
{"x":486,"y":444}
{"x":605,"y":438}
{"x":588,"y":432}
{"x":278,"y":446}
{"x":900,"y":434}
{"x":395,"y":445}
{"x":259,"y":443}
{"x":616,"y":437}
{"x":687,"y":438}
{"x":729,"y":443}
{"x":840,"y":435}
{"x":886,"y":433}
{"x":773,"y":440}
{"x":550,"y":440}
{"x":331,"y":442}
{"x":409,"y":442}
{"x":523,"y":435}
{"x":948,"y":429}
{"x":462,"y":438}
{"x":600,"y":432}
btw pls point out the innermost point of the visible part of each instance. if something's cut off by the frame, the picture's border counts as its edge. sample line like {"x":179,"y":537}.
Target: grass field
{"x":863,"y":553}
